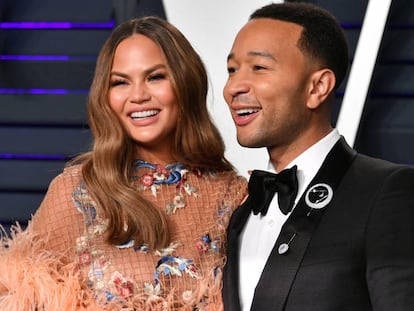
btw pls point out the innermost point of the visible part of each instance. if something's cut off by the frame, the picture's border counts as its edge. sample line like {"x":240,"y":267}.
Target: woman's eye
{"x":117,"y":82}
{"x":158,"y":76}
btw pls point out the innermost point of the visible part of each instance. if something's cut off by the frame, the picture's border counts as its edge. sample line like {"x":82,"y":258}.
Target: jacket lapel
{"x":231,"y":269}
{"x":281,"y":268}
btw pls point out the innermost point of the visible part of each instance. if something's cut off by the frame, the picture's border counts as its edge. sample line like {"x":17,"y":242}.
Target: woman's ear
{"x":322,"y":85}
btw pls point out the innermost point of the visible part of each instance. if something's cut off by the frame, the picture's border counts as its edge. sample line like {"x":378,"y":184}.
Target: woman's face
{"x":141,"y":94}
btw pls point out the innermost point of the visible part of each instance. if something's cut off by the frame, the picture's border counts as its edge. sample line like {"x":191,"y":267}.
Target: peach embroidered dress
{"x":62,"y":262}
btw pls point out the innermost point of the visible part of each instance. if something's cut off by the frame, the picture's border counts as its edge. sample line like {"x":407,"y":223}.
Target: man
{"x":348,"y":242}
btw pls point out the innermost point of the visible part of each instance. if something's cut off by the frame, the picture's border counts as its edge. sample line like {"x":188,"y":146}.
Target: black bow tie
{"x":263,"y":185}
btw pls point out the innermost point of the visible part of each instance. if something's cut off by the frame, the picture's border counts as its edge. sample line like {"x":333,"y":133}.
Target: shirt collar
{"x":310,"y":161}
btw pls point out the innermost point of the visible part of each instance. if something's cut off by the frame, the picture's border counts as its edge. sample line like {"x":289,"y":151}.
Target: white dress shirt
{"x":260,"y":232}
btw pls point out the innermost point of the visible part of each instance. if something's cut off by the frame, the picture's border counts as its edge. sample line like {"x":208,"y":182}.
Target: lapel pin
{"x":284,"y":247}
{"x":318,"y":196}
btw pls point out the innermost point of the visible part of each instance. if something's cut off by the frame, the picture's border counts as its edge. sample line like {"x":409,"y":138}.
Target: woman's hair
{"x":107,"y":169}
{"x":322,"y":38}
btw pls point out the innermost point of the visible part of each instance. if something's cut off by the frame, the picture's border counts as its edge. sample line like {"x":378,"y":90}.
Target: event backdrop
{"x":48,"y":51}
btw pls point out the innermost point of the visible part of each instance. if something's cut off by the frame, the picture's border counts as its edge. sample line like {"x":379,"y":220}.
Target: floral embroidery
{"x":124,"y":286}
{"x":178,"y":202}
{"x":173,"y":173}
{"x":97,"y":271}
{"x":170,"y":174}
{"x":143,"y":248}
{"x":167,"y":250}
{"x":128,"y":244}
{"x":147,"y":180}
{"x":152,"y":290}
{"x":84,"y":203}
{"x":205,"y":243}
{"x":96,"y":264}
{"x":224,"y":214}
{"x":172,"y":265}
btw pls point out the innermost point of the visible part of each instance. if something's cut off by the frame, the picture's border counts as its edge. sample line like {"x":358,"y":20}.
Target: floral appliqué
{"x":173,"y":173}
{"x":124,"y":286}
{"x":96,"y":264}
{"x":173,"y":265}
{"x":206,"y":243}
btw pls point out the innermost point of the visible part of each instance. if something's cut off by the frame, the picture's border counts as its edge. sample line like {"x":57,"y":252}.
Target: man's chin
{"x":249,"y":144}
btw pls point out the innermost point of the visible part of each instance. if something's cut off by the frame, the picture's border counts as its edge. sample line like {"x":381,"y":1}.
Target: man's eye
{"x":231,"y":70}
{"x":258,"y":67}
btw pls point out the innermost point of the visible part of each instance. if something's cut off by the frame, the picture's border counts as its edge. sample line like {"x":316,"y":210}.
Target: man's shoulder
{"x":369,"y":163}
{"x":377,"y":171}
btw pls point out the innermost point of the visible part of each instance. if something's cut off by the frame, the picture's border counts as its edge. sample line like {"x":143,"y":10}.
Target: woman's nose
{"x":139,"y":93}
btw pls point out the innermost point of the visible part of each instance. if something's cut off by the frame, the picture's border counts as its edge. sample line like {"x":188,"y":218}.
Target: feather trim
{"x":34,"y":278}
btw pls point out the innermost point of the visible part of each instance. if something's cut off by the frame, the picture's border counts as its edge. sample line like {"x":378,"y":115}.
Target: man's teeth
{"x":144,"y":114}
{"x":247,"y":111}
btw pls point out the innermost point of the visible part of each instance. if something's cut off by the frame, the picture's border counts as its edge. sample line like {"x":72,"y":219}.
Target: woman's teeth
{"x":144,"y":114}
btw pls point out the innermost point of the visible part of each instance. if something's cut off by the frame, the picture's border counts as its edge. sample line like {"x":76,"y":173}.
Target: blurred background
{"x":48,"y":50}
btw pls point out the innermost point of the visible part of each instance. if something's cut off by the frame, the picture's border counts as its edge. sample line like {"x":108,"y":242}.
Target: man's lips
{"x":246,"y":111}
{"x":244,"y":116}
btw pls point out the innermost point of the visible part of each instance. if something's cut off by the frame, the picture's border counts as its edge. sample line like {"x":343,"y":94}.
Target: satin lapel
{"x":231,"y":269}
{"x":280,"y":270}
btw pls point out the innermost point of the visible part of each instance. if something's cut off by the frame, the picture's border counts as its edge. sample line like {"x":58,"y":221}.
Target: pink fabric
{"x":62,"y":262}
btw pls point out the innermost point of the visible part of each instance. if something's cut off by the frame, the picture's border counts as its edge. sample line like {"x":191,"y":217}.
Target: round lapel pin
{"x":318,"y":196}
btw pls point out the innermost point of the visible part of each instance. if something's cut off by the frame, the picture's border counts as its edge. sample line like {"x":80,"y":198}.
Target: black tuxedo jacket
{"x":356,"y":253}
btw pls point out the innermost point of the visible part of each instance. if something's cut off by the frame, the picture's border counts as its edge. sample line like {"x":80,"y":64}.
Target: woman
{"x":137,"y":223}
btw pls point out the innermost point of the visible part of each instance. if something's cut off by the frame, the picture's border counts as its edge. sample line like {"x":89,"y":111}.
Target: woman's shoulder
{"x":230,"y":182}
{"x":63,"y":184}
{"x":72,"y":171}
{"x":231,"y":176}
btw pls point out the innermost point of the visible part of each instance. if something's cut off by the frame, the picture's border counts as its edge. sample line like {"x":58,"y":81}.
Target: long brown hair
{"x":108,"y":167}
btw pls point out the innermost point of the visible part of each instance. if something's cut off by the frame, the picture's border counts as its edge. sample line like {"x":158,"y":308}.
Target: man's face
{"x":268,"y":84}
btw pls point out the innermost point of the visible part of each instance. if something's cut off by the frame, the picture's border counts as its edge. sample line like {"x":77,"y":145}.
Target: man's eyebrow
{"x":262,"y":54}
{"x":255,"y":53}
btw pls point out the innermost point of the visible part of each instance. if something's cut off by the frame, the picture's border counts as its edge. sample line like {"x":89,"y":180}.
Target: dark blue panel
{"x":401,"y":38}
{"x":401,"y":13}
{"x":75,"y":75}
{"x":393,"y":145}
{"x":391,"y":78}
{"x":347,"y":11}
{"x":75,"y":42}
{"x":19,"y":206}
{"x":53,"y":141}
{"x":388,"y":113}
{"x":387,"y":130}
{"x":25,"y":175}
{"x":127,"y":9}
{"x":54,"y":10}
{"x":49,"y":109}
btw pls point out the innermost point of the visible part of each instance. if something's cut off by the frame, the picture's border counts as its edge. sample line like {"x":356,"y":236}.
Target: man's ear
{"x":322,"y":84}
